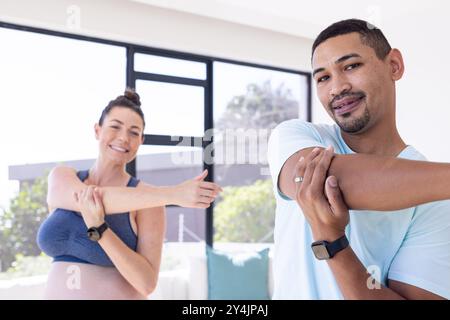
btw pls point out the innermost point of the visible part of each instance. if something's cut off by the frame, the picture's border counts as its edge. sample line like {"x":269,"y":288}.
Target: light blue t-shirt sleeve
{"x":286,"y":139}
{"x":423,"y":259}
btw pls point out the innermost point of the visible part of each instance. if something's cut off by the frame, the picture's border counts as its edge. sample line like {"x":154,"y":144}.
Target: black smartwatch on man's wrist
{"x":95,"y":233}
{"x":324,"y":250}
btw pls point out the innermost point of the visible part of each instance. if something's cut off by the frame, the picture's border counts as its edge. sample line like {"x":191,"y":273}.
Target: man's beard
{"x":354,"y":125}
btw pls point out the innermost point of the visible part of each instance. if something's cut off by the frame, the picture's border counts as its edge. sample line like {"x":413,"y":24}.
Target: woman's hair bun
{"x":133,"y":96}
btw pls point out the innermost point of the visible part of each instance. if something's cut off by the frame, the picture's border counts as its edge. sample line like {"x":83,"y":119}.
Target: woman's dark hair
{"x":370,"y":35}
{"x":130,"y":99}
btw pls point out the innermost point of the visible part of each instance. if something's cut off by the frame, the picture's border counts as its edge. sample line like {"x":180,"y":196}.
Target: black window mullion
{"x":131,"y":82}
{"x":161,"y":140}
{"x":209,"y":124}
{"x":308,"y":98}
{"x":169,"y":79}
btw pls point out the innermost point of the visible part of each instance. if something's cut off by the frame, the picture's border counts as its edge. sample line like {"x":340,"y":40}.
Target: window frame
{"x":132,"y":76}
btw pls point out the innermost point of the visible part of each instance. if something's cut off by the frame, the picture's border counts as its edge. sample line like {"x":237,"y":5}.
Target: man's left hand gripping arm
{"x":324,"y":208}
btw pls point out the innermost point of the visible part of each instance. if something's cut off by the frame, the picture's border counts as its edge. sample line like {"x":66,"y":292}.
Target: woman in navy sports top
{"x":119,"y":258}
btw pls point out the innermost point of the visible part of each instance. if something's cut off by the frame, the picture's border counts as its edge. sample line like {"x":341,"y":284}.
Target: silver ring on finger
{"x":298,"y":179}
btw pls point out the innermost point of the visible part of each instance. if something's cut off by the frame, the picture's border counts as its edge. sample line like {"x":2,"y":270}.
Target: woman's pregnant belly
{"x":74,"y":281}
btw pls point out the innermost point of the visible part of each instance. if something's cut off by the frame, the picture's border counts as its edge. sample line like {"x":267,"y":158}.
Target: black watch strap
{"x":102,"y":228}
{"x":324,"y":250}
{"x":95,"y":233}
{"x":337,"y":245}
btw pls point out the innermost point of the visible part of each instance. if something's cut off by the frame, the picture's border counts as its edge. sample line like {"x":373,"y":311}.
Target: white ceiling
{"x":299,"y":17}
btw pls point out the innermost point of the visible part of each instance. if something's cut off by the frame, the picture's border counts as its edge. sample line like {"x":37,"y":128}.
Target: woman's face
{"x":120,"y":135}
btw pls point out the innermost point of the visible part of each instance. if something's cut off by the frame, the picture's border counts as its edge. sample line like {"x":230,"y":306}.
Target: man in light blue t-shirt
{"x":360,"y":214}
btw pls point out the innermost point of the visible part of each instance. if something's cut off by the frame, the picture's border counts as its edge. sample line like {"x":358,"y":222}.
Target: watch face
{"x":321,"y":252}
{"x":93,"y":234}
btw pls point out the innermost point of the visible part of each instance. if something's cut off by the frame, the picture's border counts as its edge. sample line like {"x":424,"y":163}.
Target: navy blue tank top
{"x":63,"y":235}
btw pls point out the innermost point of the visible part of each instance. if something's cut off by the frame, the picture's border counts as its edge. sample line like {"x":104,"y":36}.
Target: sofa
{"x":192,"y":283}
{"x":188,"y":282}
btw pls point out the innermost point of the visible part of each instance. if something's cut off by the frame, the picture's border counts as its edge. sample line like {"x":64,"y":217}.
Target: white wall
{"x":423,"y":107}
{"x":137,"y":23}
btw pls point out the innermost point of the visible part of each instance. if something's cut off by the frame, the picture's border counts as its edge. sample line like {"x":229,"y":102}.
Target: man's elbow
{"x":410,"y":292}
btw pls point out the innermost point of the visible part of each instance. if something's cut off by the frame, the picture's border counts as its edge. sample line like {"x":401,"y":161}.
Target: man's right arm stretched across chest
{"x":371,"y":182}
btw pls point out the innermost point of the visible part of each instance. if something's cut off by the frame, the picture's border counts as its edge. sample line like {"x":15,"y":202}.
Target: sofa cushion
{"x":235,"y":276}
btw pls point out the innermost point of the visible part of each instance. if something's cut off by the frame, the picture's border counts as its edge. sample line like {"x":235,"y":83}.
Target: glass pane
{"x":248,"y":103}
{"x":169,"y":66}
{"x":53,"y":91}
{"x":172,"y":109}
{"x":170,"y":165}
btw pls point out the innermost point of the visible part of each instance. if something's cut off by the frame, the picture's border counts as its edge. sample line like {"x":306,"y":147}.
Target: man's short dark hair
{"x":370,"y":35}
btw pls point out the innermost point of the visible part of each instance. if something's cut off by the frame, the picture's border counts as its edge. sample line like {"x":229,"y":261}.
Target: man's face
{"x":352,"y":83}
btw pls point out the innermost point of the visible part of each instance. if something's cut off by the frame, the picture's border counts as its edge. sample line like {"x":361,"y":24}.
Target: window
{"x":185,"y":227}
{"x":53,"y":91}
{"x":169,"y":66}
{"x":173,"y":94}
{"x":248,"y":103}
{"x":181,"y":106}
{"x":56,"y":86}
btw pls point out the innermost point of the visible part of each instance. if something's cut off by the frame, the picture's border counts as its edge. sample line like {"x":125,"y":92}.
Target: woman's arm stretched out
{"x":195,"y":193}
{"x":370,"y":182}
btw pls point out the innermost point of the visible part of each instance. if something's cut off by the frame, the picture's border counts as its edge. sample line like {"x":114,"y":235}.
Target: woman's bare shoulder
{"x":62,"y":170}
